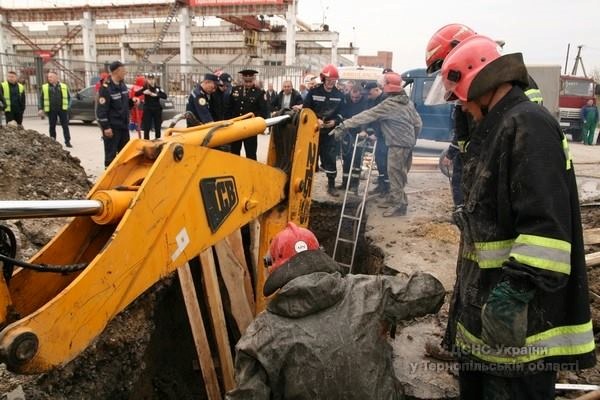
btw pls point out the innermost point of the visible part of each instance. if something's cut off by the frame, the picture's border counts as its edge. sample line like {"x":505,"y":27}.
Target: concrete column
{"x":334,"y":55}
{"x":185,"y":38}
{"x":5,"y":45}
{"x":290,"y":35}
{"x":89,"y":45}
{"x":123,"y":52}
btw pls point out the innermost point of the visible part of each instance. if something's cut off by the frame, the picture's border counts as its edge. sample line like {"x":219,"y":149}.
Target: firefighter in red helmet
{"x":442,"y":41}
{"x":520,"y":307}
{"x":304,"y":346}
{"x":326,"y":101}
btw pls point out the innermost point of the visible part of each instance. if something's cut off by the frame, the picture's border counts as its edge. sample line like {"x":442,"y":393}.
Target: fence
{"x":177,"y":80}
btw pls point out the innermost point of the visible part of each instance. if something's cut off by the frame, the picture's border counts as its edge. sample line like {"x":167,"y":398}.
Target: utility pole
{"x":578,"y":60}
{"x":567,"y":58}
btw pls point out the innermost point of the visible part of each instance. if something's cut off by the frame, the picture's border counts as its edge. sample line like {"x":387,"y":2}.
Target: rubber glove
{"x":504,"y":315}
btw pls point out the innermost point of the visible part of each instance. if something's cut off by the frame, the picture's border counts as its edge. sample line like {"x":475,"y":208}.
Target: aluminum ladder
{"x":356,"y":219}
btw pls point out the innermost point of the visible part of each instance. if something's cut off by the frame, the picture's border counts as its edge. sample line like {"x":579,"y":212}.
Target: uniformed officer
{"x":247,"y":98}
{"x":326,"y":101}
{"x":219,"y":99}
{"x":112,"y":111}
{"x":199,"y":100}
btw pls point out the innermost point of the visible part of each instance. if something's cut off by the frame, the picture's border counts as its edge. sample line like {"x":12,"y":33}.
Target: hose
{"x":44,"y":267}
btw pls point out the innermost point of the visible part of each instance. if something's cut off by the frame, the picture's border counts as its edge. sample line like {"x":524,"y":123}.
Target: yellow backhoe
{"x":159,"y":204}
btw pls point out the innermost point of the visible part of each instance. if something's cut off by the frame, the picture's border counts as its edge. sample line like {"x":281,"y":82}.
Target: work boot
{"x":377,"y":189}
{"x":385,"y":189}
{"x":343,"y":185}
{"x":395,"y":211}
{"x":68,"y":144}
{"x":331,"y":190}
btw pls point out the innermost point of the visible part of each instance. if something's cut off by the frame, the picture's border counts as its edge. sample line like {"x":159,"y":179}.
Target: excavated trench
{"x":147,"y":352}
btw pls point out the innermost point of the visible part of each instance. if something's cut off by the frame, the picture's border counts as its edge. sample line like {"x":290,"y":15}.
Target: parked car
{"x":82,"y":106}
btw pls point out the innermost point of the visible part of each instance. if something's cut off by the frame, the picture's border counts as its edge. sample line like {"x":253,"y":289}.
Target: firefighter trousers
{"x":482,"y":386}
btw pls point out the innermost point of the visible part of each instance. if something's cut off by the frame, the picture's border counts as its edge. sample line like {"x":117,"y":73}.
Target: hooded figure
{"x":320,"y":337}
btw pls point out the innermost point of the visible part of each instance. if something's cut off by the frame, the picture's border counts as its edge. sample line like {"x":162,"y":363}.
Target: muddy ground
{"x":147,"y":352}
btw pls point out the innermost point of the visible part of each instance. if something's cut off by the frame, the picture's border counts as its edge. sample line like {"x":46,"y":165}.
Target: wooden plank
{"x":591,"y":236}
{"x":592,"y":259}
{"x":215,"y":305}
{"x":199,"y":333}
{"x":233,"y":276}
{"x":237,"y":247}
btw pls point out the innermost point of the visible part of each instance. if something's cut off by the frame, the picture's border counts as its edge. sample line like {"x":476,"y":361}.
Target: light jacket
{"x":399,"y":121}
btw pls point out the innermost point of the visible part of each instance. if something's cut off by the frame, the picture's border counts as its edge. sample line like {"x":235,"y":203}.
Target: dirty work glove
{"x":337,"y":132}
{"x":504,"y":315}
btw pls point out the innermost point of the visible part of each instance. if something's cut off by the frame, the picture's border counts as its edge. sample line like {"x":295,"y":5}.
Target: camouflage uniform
{"x":400,"y":125}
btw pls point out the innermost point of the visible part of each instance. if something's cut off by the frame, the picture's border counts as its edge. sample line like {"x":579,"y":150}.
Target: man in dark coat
{"x":244,"y":99}
{"x":320,"y":337}
{"x":287,"y":98}
{"x":520,"y":308}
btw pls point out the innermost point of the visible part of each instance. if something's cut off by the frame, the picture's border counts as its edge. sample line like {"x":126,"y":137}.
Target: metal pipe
{"x":277,"y":120}
{"x":10,"y":209}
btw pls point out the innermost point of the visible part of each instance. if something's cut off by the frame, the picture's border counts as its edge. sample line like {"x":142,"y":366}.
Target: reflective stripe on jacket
{"x":535,"y":95}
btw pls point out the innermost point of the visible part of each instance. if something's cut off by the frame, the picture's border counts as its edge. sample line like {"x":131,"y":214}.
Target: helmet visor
{"x":437,"y":92}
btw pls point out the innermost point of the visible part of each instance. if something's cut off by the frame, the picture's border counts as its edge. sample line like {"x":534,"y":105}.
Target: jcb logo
{"x":220,"y":198}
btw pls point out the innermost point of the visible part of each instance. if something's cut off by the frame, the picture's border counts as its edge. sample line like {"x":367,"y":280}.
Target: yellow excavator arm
{"x":158,"y":205}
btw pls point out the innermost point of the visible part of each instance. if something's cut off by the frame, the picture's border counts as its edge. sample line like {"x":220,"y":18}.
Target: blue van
{"x":438,"y":123}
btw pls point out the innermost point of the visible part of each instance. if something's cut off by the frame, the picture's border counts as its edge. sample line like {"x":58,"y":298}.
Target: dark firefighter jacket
{"x":113,"y":106}
{"x":522,"y":222}
{"x":327,"y":105}
{"x":321,"y":337}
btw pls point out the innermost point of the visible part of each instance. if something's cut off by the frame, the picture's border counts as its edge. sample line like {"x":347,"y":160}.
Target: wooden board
{"x":592,"y":259}
{"x":591,"y":236}
{"x":215,"y":306}
{"x":235,"y":276}
{"x":199,"y":333}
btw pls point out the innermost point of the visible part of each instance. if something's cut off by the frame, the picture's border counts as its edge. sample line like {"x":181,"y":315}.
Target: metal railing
{"x":177,"y":80}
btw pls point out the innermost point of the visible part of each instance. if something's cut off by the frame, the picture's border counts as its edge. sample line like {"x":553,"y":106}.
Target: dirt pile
{"x":143,"y":350}
{"x":36,"y":167}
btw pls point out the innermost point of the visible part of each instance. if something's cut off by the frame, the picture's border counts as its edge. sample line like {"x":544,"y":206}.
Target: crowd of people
{"x":519,"y":311}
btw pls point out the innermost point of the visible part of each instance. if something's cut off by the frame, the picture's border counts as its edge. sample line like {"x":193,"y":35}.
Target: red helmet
{"x":392,"y":83}
{"x":329,"y":71}
{"x":464,"y":63}
{"x":442,"y":42}
{"x":289,"y":242}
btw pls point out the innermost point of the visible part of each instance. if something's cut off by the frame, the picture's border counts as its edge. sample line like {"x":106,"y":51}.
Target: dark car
{"x":82,"y":106}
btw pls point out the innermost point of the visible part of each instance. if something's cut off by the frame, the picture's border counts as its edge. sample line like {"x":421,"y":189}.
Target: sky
{"x":540,"y":29}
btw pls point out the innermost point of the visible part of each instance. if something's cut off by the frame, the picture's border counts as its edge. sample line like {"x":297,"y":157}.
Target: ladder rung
{"x":346,"y":240}
{"x":344,"y":265}
{"x":350,"y":217}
